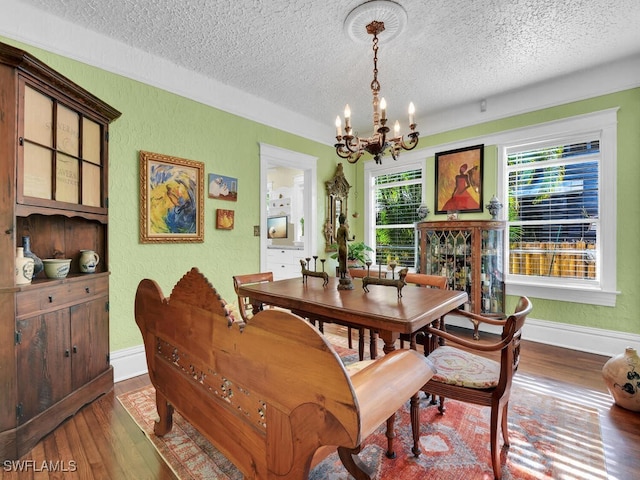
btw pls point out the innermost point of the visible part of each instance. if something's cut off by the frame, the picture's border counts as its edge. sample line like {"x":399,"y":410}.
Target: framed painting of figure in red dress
{"x":459,"y":180}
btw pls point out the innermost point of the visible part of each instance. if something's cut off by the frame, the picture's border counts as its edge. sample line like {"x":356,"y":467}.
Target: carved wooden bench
{"x":270,"y":394}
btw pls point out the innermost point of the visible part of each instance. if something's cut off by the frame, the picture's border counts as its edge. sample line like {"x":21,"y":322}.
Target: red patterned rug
{"x":552,"y":437}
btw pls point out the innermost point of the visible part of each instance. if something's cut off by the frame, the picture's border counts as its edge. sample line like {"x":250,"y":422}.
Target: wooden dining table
{"x":380,"y":309}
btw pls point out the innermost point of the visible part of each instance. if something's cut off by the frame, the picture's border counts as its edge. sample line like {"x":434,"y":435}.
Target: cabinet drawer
{"x":51,"y":297}
{"x":285,"y":257}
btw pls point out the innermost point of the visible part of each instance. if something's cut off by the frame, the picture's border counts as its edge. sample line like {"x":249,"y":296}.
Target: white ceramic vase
{"x":622,"y":376}
{"x":24,"y":267}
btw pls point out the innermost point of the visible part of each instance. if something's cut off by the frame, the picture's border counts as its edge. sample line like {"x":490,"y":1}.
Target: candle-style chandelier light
{"x":351,"y":146}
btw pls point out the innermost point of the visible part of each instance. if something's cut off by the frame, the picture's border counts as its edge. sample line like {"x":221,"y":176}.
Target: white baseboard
{"x":128,"y":363}
{"x":574,"y":337}
{"x":131,"y":362}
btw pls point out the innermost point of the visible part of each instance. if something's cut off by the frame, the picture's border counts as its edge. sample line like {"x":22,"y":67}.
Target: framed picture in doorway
{"x":171,"y":199}
{"x":459,"y":180}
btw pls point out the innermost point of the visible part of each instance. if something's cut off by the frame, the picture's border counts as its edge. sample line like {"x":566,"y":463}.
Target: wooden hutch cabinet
{"x":54,"y":334}
{"x":471,"y":255}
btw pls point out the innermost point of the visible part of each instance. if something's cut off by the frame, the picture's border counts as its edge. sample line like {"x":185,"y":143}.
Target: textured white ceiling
{"x":296,"y":53}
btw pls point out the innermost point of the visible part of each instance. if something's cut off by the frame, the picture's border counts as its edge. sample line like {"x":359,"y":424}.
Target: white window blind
{"x":554,"y":210}
{"x":396,"y":198}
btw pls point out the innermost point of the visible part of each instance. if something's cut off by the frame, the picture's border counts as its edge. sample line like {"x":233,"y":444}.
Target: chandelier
{"x":351,"y":146}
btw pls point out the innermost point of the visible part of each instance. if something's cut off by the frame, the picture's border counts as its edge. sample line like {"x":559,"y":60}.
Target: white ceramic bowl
{"x":56,"y":267}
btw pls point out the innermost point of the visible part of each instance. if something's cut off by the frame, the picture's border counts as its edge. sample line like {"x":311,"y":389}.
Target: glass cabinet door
{"x":449,"y":255}
{"x":492,"y":272}
{"x":63,"y":153}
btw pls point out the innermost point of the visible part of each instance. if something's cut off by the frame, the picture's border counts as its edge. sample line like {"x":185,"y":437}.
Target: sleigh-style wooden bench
{"x":271,"y":394}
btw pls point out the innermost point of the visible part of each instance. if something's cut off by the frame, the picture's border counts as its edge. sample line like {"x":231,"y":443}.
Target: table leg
{"x":389,"y":339}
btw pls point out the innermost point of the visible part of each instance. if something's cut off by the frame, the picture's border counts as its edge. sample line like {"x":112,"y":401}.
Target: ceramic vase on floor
{"x":622,"y":376}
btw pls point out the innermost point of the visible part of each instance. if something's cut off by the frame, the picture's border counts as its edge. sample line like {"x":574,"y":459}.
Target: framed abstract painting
{"x":171,"y":199}
{"x":459,"y":180}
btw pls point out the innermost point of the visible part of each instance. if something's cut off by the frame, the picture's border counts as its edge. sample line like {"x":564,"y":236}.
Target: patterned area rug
{"x":552,"y":437}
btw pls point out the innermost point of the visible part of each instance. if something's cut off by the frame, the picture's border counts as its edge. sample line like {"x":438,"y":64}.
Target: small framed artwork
{"x":225,"y":219}
{"x":459,"y":180}
{"x":222,"y":187}
{"x":171,"y":199}
{"x":277,"y":227}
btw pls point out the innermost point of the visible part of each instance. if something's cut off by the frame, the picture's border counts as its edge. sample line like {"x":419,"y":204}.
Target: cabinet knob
{"x":75,"y":349}
{"x":87,"y":289}
{"x":50,"y":298}
{"x":67,"y":353}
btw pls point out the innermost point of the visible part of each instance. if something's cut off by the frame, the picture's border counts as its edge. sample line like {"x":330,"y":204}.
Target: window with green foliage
{"x":558,"y":183}
{"x":554,"y":210}
{"x":395,"y":192}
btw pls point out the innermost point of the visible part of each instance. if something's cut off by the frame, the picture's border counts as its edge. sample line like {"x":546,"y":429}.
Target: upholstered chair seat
{"x":458,"y":367}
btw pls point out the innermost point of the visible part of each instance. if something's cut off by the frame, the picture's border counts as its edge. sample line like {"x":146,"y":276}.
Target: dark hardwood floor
{"x":103,"y":442}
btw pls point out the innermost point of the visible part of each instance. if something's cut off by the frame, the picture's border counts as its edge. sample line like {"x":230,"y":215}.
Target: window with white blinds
{"x":396,"y":195}
{"x":558,"y":182}
{"x":554,"y":210}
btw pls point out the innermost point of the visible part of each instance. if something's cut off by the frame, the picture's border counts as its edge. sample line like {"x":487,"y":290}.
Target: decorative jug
{"x":88,"y":261}
{"x":622,"y":376}
{"x":24,"y":267}
{"x":38,"y":266}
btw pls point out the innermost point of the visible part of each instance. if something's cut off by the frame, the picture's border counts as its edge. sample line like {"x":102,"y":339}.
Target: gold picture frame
{"x":171,"y":199}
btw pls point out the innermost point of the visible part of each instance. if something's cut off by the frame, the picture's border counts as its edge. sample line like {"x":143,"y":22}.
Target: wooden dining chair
{"x":466,"y":375}
{"x":246,"y":306}
{"x":425,"y":281}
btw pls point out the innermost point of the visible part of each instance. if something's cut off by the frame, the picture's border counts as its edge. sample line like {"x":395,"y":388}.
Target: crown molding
{"x":51,"y":33}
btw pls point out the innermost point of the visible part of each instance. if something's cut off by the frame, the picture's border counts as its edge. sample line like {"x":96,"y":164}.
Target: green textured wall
{"x":161,"y":122}
{"x":624,"y":317}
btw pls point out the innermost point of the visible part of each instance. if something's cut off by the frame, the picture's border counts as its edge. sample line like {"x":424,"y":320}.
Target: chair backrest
{"x":362,"y":272}
{"x":245,"y":306}
{"x":512,"y":336}
{"x":512,"y":332}
{"x":424,"y":280}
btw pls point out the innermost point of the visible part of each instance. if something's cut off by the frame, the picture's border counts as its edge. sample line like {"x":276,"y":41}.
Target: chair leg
{"x":361,"y":343}
{"x":373,"y":344}
{"x":415,"y":424}
{"x":505,"y":425}
{"x":391,"y":435}
{"x":497,"y":425}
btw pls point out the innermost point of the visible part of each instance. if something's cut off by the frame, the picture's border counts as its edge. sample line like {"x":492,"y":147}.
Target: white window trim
{"x":604,"y":125}
{"x":605,"y":122}
{"x":413,"y":160}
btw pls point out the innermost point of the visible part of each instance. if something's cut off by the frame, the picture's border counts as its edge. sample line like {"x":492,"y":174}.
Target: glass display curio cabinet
{"x":471,"y":255}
